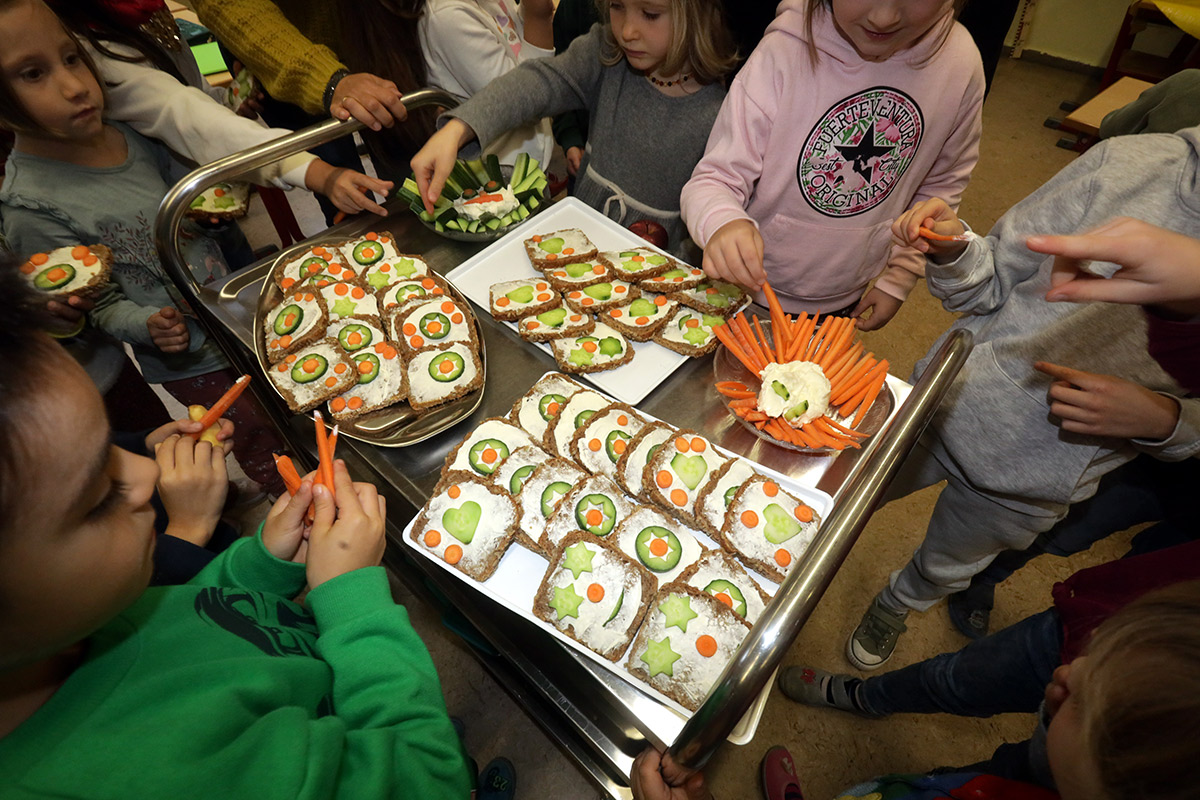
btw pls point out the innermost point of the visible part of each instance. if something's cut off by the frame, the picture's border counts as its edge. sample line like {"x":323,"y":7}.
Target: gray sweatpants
{"x":967,"y":530}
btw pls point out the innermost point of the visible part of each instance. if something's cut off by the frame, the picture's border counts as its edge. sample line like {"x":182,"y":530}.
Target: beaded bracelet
{"x":334,"y":80}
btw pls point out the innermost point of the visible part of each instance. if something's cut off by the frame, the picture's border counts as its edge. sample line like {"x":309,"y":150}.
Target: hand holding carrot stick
{"x":222,"y":405}
{"x":936,"y":215}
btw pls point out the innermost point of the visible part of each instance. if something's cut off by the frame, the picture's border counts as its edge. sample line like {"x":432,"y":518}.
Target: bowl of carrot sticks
{"x":804,"y":383}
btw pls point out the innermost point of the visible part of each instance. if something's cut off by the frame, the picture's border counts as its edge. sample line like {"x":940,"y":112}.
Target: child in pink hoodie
{"x":845,"y":114}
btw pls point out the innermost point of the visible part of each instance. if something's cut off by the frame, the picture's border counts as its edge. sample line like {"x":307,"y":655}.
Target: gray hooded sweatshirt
{"x":995,"y":424}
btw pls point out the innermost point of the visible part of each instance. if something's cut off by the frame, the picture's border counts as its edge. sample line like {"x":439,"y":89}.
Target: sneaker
{"x":778,"y":776}
{"x":498,"y":781}
{"x":816,"y":687}
{"x":872,"y":643}
{"x":971,"y":610}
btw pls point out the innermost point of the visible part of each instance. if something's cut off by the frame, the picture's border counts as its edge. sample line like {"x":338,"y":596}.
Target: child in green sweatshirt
{"x":222,"y":687}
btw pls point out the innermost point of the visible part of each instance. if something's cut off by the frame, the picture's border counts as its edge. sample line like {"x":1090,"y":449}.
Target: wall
{"x":1083,"y":31}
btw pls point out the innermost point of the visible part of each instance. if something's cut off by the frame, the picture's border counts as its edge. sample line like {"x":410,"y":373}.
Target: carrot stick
{"x":748,"y":340}
{"x":803,"y":439}
{"x":760,"y":424}
{"x":727,"y":338}
{"x":836,"y":431}
{"x":844,"y":431}
{"x":775,"y":429}
{"x":741,"y":412}
{"x":287,"y":471}
{"x":222,"y":405}
{"x":794,"y":332}
{"x":871,"y":395}
{"x":755,"y":416}
{"x":802,"y":337}
{"x":814,"y":344}
{"x":841,"y":341}
{"x":743,"y":340}
{"x":829,"y":332}
{"x":853,"y":381}
{"x":325,"y":463}
{"x":736,"y":385}
{"x":747,"y":402}
{"x":864,"y":386}
{"x":737,"y":394}
{"x":333,"y":439}
{"x":851,"y":405}
{"x":778,"y":323}
{"x":766,"y":343}
{"x":843,"y":364}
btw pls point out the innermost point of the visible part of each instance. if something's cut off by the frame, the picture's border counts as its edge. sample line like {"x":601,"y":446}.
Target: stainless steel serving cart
{"x":600,"y":721}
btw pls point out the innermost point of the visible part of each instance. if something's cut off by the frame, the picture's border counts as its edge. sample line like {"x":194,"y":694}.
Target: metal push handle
{"x":179,"y":199}
{"x":768,"y":641}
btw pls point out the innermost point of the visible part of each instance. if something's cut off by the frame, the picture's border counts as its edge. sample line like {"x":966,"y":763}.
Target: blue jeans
{"x":998,"y":674}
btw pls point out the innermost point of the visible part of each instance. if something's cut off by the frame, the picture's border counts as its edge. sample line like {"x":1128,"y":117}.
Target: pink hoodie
{"x":792,"y":152}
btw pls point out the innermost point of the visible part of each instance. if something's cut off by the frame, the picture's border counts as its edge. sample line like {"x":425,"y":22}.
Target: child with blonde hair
{"x":845,"y":113}
{"x":650,"y":79}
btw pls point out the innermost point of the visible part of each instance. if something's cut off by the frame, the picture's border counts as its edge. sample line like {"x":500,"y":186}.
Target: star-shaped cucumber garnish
{"x":678,"y":611}
{"x":659,"y":657}
{"x":578,"y":559}
{"x":566,"y":601}
{"x":377,"y":279}
{"x":580,"y":356}
{"x":345,"y":307}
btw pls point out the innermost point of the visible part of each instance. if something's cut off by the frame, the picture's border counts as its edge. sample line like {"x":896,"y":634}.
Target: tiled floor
{"x":833,"y":751}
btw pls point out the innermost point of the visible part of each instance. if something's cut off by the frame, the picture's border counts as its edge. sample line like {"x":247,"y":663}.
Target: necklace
{"x":682,"y":79}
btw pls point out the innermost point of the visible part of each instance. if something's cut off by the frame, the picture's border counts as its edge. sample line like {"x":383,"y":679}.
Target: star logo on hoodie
{"x":858,"y":151}
{"x":861,"y":154}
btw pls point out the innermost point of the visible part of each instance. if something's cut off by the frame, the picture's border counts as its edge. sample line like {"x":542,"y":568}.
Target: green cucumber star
{"x":659,"y":657}
{"x":566,"y":601}
{"x":345,"y":307}
{"x":580,"y":357}
{"x":678,"y":611}
{"x":578,"y":559}
{"x":377,"y":279}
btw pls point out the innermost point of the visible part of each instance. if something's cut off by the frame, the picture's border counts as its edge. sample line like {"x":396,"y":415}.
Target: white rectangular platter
{"x":520,"y":571}
{"x":505,"y":260}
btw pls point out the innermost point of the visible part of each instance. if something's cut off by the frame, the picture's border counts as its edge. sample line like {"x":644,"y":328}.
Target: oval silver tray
{"x":397,"y":425}
{"x":726,"y":367}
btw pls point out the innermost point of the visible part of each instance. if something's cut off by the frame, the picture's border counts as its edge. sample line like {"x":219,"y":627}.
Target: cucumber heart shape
{"x":578,"y":270}
{"x":657,"y":261}
{"x":522,"y":294}
{"x":642,"y":308}
{"x":780,"y":526}
{"x":600,"y":291}
{"x":554,"y":317}
{"x":552,"y":245}
{"x":690,"y":469}
{"x":461,"y":522}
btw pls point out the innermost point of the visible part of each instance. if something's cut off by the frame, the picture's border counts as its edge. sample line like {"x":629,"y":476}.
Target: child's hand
{"x":70,"y":312}
{"x":882,"y":306}
{"x":192,"y":485}
{"x":345,"y":187}
{"x":168,"y":330}
{"x":285,"y":533}
{"x":936,"y":215}
{"x":355,"y":539}
{"x":648,"y":780}
{"x":187,"y":426}
{"x":433,"y":162}
{"x":1103,"y":405}
{"x":574,"y":159}
{"x":1158,"y":267}
{"x":371,"y":100}
{"x":735,"y":254}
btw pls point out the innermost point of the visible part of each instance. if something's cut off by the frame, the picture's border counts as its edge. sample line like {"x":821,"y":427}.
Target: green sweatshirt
{"x":224,"y":688}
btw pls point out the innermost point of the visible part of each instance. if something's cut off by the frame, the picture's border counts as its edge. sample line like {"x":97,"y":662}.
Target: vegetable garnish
{"x":855,"y":379}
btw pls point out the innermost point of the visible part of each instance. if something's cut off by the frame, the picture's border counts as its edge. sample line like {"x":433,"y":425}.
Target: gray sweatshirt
{"x":642,"y":145}
{"x":995,"y":423}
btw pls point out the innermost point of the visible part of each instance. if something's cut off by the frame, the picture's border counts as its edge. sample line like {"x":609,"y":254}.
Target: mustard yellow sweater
{"x":287,"y":44}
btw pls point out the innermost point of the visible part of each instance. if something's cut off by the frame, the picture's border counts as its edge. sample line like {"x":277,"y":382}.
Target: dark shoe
{"x":971,"y":610}
{"x":778,"y":775}
{"x":498,"y":781}
{"x":872,"y":643}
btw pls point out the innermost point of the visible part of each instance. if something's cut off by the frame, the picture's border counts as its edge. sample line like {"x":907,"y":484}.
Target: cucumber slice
{"x":439,"y":227}
{"x":473,"y":227}
{"x":520,"y":167}
{"x":492,"y":224}
{"x":476,"y":167}
{"x":464,"y":177}
{"x":534,"y":202}
{"x":522,"y":212}
{"x":446,"y":214}
{"x":492,"y":164}
{"x":425,"y":215}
